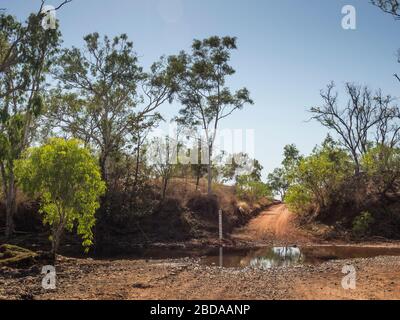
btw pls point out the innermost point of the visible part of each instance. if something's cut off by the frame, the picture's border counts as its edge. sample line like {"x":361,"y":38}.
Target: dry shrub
{"x":185,"y":191}
{"x":204,"y":205}
{"x":347,"y":202}
{"x":167,"y":222}
{"x":226,"y":197}
{"x":27,"y":217}
{"x":243,"y":206}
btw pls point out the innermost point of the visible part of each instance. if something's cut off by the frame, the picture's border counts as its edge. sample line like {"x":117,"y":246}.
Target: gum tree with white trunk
{"x":26,"y":53}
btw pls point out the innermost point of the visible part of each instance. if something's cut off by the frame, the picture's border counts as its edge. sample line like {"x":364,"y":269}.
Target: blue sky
{"x":288,"y":51}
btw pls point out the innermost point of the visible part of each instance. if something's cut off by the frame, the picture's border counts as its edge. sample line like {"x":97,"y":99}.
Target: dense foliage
{"x":355,"y":173}
{"x":252,"y":190}
{"x":100,"y":94}
{"x":67,"y":179}
{"x":27,"y":52}
{"x":318,"y":177}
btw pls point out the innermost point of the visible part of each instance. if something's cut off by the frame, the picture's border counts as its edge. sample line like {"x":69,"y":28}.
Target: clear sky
{"x":288,"y":51}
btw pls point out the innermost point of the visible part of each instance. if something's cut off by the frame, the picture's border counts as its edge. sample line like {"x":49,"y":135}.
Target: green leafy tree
{"x":67,"y":178}
{"x":105,"y":96}
{"x":26,"y":53}
{"x":278,"y":182}
{"x":16,"y":40}
{"x":204,"y":94}
{"x":252,"y":190}
{"x":299,"y":199}
{"x":291,"y":156}
{"x":362,"y":224}
{"x":382,"y":165}
{"x":319,"y":176}
{"x":256,"y":171}
{"x":241,"y":164}
{"x":280,"y":179}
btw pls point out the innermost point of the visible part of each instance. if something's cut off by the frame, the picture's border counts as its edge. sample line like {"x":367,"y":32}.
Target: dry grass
{"x":185,"y":189}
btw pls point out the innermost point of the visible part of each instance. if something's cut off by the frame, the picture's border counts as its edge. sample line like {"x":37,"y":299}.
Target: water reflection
{"x":269,"y":257}
{"x":277,"y":257}
{"x":263,"y":258}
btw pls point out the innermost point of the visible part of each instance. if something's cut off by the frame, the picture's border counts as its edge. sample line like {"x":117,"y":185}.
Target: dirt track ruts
{"x":276,"y":224}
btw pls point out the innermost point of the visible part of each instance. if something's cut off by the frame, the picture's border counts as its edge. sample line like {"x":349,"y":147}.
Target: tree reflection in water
{"x":277,"y":257}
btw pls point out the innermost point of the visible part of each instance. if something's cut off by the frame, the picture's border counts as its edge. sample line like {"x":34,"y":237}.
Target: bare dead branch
{"x":388,"y":6}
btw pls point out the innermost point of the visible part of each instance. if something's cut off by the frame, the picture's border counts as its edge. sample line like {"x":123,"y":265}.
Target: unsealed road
{"x":274,"y":225}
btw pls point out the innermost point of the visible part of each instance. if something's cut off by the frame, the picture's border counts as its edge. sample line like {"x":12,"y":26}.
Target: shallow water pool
{"x":269,"y":257}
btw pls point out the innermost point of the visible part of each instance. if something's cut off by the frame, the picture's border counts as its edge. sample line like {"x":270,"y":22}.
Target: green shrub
{"x":382,"y":166}
{"x":251,"y":190}
{"x":318,"y":178}
{"x":298,"y":199}
{"x":67,"y":178}
{"x":362,"y":224}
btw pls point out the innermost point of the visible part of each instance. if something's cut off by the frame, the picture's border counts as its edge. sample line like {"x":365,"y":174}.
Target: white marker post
{"x":221,"y":236}
{"x":220,"y":225}
{"x":221,"y":257}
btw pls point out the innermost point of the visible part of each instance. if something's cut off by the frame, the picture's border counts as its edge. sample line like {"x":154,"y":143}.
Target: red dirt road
{"x":276,"y":224}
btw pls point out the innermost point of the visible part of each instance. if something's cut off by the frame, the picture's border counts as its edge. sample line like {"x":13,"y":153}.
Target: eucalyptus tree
{"x":281,"y":178}
{"x":198,"y":169}
{"x":163,"y":151}
{"x":16,"y":38}
{"x":104,"y":94}
{"x":204,"y":93}
{"x":26,"y":53}
{"x":98,"y":87}
{"x":241,"y":164}
{"x":140,"y":129}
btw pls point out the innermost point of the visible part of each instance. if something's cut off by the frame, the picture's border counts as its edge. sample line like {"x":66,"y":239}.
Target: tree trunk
{"x":55,"y":244}
{"x":209,"y":171}
{"x":164,"y":190}
{"x":198,"y":167}
{"x":103,"y":168}
{"x":197,"y":181}
{"x":137,"y":166}
{"x":105,"y":175}
{"x":11,"y":203}
{"x":357,"y":163}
